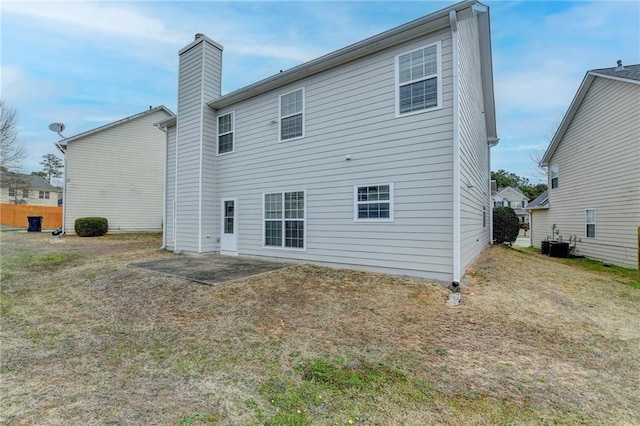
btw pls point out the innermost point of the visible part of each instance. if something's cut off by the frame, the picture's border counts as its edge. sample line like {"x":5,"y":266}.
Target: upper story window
{"x":590,"y":222}
{"x":419,"y":80}
{"x":553,"y":171}
{"x":25,"y":193}
{"x":292,"y":115}
{"x":44,"y":195}
{"x":225,"y":133}
{"x":373,"y":203}
{"x":12,"y":192}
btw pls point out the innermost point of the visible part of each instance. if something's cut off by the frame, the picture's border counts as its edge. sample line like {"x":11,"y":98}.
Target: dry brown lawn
{"x":87,"y":340}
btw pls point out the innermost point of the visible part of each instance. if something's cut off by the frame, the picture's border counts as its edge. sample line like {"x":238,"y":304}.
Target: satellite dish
{"x":56,"y":127}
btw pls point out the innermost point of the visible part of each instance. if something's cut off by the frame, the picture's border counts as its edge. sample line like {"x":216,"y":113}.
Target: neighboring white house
{"x":18,"y":188}
{"x":594,"y":169}
{"x":373,"y":157}
{"x":116,"y":171}
{"x":514,"y":198}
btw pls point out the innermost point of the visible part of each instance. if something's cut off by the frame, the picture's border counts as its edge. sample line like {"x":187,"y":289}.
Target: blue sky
{"x":90,"y":63}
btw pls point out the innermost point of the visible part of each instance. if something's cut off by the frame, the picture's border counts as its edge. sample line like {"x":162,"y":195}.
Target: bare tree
{"x":12,"y":152}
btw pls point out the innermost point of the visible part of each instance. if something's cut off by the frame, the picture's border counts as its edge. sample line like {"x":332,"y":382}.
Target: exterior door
{"x":229,"y":228}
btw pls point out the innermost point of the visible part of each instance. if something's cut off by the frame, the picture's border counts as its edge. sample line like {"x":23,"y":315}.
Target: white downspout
{"x":64,"y":188}
{"x":164,"y":188}
{"x":456,"y":149}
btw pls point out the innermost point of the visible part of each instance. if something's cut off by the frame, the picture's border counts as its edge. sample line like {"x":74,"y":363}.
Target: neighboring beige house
{"x":594,"y":170}
{"x":117,"y":171}
{"x":514,"y":198}
{"x":18,"y":188}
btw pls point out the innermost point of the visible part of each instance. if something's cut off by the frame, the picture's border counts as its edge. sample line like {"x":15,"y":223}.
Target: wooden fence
{"x":16,"y":215}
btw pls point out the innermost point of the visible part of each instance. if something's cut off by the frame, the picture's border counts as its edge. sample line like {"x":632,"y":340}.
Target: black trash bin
{"x":35,"y":223}
{"x":545,"y":247}
{"x":558,"y":249}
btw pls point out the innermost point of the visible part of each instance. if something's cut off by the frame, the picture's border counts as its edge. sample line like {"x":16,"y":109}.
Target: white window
{"x":44,"y":195}
{"x":284,"y":220}
{"x":373,"y":203}
{"x":226,"y":123}
{"x":590,"y":221}
{"x":554,"y":176}
{"x":484,"y":216}
{"x":292,"y":115}
{"x":25,"y":193}
{"x":12,"y":192}
{"x":419,"y":80}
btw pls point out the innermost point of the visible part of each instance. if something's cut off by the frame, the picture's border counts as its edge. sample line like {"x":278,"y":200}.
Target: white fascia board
{"x":117,"y":123}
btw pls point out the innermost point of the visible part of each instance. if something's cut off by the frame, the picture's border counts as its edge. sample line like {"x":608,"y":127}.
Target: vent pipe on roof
{"x":619,"y":67}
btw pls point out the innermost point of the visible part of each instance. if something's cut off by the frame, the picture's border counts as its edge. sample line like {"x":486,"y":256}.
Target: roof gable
{"x":427,"y":24}
{"x":511,"y":191}
{"x":630,"y":74}
{"x":32,"y":181}
{"x":117,"y":123}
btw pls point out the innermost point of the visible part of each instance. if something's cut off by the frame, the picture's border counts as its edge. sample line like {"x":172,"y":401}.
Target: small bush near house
{"x":91,"y":226}
{"x":505,"y":225}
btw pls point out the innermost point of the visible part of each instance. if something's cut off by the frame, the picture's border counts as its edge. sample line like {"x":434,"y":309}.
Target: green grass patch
{"x":324,"y":388}
{"x":626,"y":276}
{"x":199,"y":418}
{"x":31,"y":262}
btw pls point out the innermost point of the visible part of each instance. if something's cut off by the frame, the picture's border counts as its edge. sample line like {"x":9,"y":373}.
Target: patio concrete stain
{"x":211,"y":269}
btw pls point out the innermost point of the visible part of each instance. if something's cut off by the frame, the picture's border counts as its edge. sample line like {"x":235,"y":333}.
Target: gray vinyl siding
{"x":474,"y":150}
{"x":199,"y":82}
{"x":598,"y":160}
{"x":118,"y":174}
{"x":349,"y":110}
{"x":170,"y":176}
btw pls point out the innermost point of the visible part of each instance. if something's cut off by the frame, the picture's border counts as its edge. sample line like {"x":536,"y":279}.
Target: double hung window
{"x":553,"y":171}
{"x":292,"y":115}
{"x":419,"y":80}
{"x":284,"y":219}
{"x":225,"y":133}
{"x":373,"y":203}
{"x":590,"y":222}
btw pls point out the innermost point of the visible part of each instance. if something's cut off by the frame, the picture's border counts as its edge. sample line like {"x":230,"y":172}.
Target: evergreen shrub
{"x":91,"y":226}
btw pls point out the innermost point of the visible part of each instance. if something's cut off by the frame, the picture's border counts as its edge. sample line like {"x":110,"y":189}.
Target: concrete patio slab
{"x":211,"y":269}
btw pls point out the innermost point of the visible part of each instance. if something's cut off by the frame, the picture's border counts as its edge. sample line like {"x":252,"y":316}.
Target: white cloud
{"x":93,"y":18}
